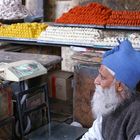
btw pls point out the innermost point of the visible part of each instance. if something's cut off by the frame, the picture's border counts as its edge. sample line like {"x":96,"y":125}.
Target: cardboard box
{"x":60,"y":85}
{"x":6,"y":131}
{"x":6,"y":105}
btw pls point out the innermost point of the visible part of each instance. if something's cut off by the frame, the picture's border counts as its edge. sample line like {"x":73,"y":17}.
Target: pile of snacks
{"x":70,"y":35}
{"x":93,"y":13}
{"x":135,"y":39}
{"x":87,"y":36}
{"x":97,"y":14}
{"x":22,"y":30}
{"x":126,"y":18}
{"x":13,"y":9}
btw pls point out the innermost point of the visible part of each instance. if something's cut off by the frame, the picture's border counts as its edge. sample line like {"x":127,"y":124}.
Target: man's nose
{"x":97,"y":80}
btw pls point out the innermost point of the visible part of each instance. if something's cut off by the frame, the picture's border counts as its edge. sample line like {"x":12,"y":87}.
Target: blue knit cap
{"x":125,"y":62}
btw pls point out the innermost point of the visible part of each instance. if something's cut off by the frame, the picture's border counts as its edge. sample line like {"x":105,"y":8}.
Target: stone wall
{"x":35,"y":6}
{"x":117,"y":4}
{"x":122,"y":4}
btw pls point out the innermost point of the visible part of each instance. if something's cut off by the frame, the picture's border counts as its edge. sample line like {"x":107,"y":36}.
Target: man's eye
{"x":102,"y":77}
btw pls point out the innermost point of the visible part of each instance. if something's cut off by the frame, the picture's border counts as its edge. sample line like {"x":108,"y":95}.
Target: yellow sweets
{"x":22,"y":30}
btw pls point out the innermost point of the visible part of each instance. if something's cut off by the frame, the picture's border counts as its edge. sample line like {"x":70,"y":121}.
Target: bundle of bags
{"x":13,"y":9}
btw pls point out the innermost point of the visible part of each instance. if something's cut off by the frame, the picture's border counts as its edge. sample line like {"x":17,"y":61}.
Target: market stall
{"x":94,"y":27}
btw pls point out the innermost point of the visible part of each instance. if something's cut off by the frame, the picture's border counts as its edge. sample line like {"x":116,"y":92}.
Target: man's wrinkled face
{"x":105,"y":78}
{"x":105,"y":98}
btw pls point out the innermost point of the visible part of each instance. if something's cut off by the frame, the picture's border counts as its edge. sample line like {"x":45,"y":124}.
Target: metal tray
{"x":75,"y":44}
{"x":123,"y":27}
{"x":77,"y":25}
{"x":12,"y":21}
{"x":96,"y":26}
{"x":17,"y":39}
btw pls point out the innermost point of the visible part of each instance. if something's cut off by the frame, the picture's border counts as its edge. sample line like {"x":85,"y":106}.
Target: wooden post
{"x":23,"y":2}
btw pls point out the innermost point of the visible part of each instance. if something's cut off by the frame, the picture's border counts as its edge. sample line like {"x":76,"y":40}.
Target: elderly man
{"x":115,"y":103}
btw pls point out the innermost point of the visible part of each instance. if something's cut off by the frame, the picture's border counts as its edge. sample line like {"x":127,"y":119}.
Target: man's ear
{"x":119,"y":87}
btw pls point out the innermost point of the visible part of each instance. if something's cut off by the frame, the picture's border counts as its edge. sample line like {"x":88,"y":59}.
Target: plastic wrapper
{"x":84,"y":76}
{"x":13,"y":10}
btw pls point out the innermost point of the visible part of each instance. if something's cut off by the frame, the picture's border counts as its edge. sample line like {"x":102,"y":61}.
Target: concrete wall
{"x":122,"y":4}
{"x":35,"y":6}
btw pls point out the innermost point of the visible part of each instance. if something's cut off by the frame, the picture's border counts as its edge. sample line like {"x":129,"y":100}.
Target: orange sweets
{"x":93,"y":13}
{"x":125,"y":18}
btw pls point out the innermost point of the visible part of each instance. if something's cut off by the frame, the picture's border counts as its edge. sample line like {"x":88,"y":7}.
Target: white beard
{"x":104,"y":100}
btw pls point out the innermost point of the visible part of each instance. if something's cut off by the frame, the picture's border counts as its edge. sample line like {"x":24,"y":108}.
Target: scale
{"x":21,"y":70}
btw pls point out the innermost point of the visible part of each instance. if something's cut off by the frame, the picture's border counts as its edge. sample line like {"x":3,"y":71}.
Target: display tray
{"x":17,"y":39}
{"x":96,"y":26}
{"x":123,"y":27}
{"x":75,"y":44}
{"x":65,"y":43}
{"x":77,"y":25}
{"x":56,"y":43}
{"x":46,"y":60}
{"x":12,"y":21}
